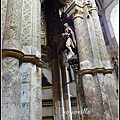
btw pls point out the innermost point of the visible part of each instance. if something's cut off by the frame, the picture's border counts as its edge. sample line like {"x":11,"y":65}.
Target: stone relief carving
{"x":26,"y":23}
{"x":13,"y":18}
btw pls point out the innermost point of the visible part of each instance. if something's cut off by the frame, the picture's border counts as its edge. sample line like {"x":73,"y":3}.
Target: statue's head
{"x":66,"y":25}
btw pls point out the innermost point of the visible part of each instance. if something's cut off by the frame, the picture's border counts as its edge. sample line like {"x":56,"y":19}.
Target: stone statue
{"x":70,"y":42}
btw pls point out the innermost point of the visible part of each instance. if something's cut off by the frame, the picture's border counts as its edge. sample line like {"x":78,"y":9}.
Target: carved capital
{"x":75,"y":9}
{"x":90,"y":6}
{"x":22,"y":57}
{"x":77,"y":12}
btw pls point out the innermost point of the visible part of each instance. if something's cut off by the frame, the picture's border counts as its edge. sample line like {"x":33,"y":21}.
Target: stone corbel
{"x":22,"y":57}
{"x":74,"y":10}
{"x":77,"y":12}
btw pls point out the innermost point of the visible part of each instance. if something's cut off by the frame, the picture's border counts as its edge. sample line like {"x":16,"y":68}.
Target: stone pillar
{"x":91,"y":88}
{"x":10,"y":65}
{"x":62,"y":97}
{"x":100,"y":89}
{"x":31,"y":27}
{"x":109,"y":79}
{"x":11,"y":38}
{"x":3,"y":16}
{"x":22,"y":80}
{"x":31,"y":101}
{"x":56,"y":89}
{"x":85,"y":92}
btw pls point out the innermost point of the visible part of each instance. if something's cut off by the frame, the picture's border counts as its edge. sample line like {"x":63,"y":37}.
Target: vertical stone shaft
{"x":109,"y":79}
{"x":94,"y":45}
{"x":56,"y":89}
{"x":99,"y":34}
{"x":30,"y":44}
{"x":66,"y":92}
{"x":31,"y":100}
{"x":61,"y":98}
{"x":99,"y":88}
{"x":89,"y":88}
{"x":31,"y":27}
{"x":38,"y":34}
{"x":68,"y":105}
{"x":28,"y":104}
{"x":35,"y":94}
{"x":11,"y":37}
{"x":85,"y":92}
{"x":3,"y":16}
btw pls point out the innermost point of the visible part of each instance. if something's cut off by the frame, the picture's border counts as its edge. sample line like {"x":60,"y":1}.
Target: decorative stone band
{"x":47,"y":87}
{"x":22,"y":57}
{"x":95,"y":71}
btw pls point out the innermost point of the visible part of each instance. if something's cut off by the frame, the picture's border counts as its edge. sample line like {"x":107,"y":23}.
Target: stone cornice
{"x":95,"y":71}
{"x":22,"y":57}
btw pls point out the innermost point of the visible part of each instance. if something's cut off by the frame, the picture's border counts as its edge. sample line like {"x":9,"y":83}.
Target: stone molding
{"x":95,"y":71}
{"x":22,"y":57}
{"x":75,"y":9}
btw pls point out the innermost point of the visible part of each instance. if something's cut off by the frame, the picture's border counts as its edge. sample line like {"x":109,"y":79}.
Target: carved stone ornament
{"x":75,"y":10}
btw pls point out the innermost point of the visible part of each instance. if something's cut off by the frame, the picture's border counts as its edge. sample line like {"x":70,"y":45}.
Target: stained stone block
{"x":6,"y":76}
{"x":25,"y":93}
{"x":25,"y":77}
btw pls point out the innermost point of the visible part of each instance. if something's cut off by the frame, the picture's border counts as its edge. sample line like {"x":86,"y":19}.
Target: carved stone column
{"x":109,"y":79}
{"x":31,"y":101}
{"x":92,"y":91}
{"x":3,"y":16}
{"x":85,"y":92}
{"x":11,"y":38}
{"x":10,"y":65}
{"x":21,"y":76}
